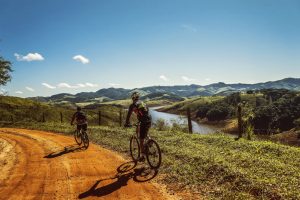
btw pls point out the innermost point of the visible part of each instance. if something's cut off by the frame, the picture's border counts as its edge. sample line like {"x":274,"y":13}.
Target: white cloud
{"x":29,"y":57}
{"x":48,"y":86}
{"x":189,"y":27}
{"x":187,"y":79}
{"x":3,"y":91}
{"x":91,"y":85}
{"x":19,"y":92}
{"x":163,"y":77}
{"x":79,"y":85}
{"x":64,"y":85}
{"x":114,"y":84}
{"x":207,"y":79}
{"x":81,"y":59}
{"x":29,"y":89}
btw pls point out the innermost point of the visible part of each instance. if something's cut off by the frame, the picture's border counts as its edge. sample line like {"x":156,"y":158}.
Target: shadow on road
{"x":65,"y":150}
{"x":126,"y":171}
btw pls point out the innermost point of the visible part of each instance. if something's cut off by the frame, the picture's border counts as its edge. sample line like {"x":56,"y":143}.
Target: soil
{"x":43,"y":165}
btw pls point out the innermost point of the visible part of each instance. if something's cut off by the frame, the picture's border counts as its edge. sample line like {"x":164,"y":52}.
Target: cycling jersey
{"x":141,"y":110}
{"x":79,"y":117}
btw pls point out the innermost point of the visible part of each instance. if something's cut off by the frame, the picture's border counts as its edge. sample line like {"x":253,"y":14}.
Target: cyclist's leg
{"x":144,"y":128}
{"x":84,"y":127}
{"x":78,"y":127}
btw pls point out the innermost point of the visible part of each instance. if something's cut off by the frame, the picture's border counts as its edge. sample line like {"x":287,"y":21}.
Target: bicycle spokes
{"x":134,"y":148}
{"x":153,"y":154}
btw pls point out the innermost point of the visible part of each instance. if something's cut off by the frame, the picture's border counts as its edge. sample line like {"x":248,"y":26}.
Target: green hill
{"x":174,"y":92}
{"x":15,"y":109}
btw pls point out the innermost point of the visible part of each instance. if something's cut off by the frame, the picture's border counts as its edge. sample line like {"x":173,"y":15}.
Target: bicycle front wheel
{"x":77,"y":136}
{"x":85,"y":139}
{"x":153,"y":154}
{"x":134,"y":148}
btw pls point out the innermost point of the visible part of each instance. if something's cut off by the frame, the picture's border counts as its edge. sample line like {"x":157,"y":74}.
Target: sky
{"x":76,"y":46}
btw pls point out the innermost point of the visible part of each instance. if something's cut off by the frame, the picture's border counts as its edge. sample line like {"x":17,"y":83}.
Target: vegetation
{"x":5,"y":69}
{"x":264,"y":111}
{"x":215,"y":166}
{"x":14,"y":109}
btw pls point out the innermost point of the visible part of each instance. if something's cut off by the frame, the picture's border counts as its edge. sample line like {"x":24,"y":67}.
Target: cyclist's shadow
{"x":126,"y":171}
{"x":65,"y":150}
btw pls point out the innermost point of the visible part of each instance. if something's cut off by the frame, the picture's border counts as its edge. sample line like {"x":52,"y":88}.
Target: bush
{"x":265,"y":118}
{"x":202,"y":111}
{"x":160,"y":125}
{"x":217,"y":113}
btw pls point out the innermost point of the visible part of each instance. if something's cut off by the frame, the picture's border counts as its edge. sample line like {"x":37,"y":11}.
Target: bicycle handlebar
{"x":131,"y":125}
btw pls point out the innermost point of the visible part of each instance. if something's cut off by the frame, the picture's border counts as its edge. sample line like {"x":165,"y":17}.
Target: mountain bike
{"x":151,"y":148}
{"x":81,"y":136}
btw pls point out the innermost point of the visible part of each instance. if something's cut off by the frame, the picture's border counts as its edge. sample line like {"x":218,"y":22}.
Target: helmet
{"x":78,"y":108}
{"x":135,"y":96}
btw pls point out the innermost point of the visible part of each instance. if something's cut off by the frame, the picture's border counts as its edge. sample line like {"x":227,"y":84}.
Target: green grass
{"x":216,"y":166}
{"x":193,"y":104}
{"x":19,"y":110}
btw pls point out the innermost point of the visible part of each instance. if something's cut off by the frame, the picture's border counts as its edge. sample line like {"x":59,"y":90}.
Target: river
{"x":171,"y":118}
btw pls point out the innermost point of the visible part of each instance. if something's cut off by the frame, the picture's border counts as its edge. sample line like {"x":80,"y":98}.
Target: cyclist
{"x":81,"y":120}
{"x":143,"y":116}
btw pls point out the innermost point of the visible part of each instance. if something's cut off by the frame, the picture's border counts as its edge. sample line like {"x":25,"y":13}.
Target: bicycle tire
{"x":85,"y":139}
{"x":153,"y":154}
{"x":77,"y":136}
{"x":134,"y":148}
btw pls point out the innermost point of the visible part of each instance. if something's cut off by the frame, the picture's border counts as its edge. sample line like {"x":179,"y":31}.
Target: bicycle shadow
{"x":65,"y":150}
{"x":126,"y":171}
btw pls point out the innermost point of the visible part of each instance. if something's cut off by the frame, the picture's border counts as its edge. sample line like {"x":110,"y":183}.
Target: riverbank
{"x":227,"y":126}
{"x":169,"y":120}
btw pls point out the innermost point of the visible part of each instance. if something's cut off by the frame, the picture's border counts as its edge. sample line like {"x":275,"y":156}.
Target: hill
{"x":15,"y":109}
{"x":173,"y":93}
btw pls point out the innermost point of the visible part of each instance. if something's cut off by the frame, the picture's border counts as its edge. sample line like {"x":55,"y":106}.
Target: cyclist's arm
{"x":73,"y":118}
{"x":129,"y":114}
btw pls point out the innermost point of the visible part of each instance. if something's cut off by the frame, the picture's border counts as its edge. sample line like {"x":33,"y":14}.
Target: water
{"x":171,"y":118}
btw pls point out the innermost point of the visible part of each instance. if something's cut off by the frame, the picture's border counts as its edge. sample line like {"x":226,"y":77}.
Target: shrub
{"x":217,"y":113}
{"x":160,"y":125}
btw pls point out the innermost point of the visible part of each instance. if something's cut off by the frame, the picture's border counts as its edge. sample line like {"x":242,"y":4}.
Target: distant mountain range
{"x":170,"y":92}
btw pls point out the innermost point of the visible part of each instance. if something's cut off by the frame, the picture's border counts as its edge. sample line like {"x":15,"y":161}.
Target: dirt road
{"x":42,"y":165}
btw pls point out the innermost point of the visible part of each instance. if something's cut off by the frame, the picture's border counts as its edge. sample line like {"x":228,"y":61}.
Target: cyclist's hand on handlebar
{"x":127,"y":125}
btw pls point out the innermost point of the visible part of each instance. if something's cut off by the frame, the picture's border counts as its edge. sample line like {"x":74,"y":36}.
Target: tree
{"x":5,"y":69}
{"x":217,"y":113}
{"x":233,"y":99}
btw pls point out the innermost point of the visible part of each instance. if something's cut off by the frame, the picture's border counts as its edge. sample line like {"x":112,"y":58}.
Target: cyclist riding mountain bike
{"x":143,"y":116}
{"x":81,"y":120}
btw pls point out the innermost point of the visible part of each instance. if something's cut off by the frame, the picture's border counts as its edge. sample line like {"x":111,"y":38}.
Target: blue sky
{"x":84,"y":45}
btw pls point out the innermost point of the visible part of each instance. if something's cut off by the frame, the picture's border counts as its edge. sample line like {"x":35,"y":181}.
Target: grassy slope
{"x":193,"y":104}
{"x":196,"y":102}
{"x":19,"y":109}
{"x":214,"y":165}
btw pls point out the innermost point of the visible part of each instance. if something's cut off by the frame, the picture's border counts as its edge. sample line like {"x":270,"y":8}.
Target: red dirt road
{"x":43,"y":165}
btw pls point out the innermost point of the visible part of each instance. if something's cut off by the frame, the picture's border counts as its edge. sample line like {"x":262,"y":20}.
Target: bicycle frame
{"x":137,"y":131}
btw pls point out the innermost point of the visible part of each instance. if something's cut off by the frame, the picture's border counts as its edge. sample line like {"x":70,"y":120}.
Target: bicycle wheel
{"x":153,"y":154}
{"x":134,"y":148}
{"x":77,"y":136}
{"x":85,"y":139}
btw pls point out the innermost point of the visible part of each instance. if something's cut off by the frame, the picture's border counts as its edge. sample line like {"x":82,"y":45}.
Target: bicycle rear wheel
{"x":85,"y":139}
{"x":153,"y":154}
{"x":134,"y":148}
{"x":77,"y":136}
